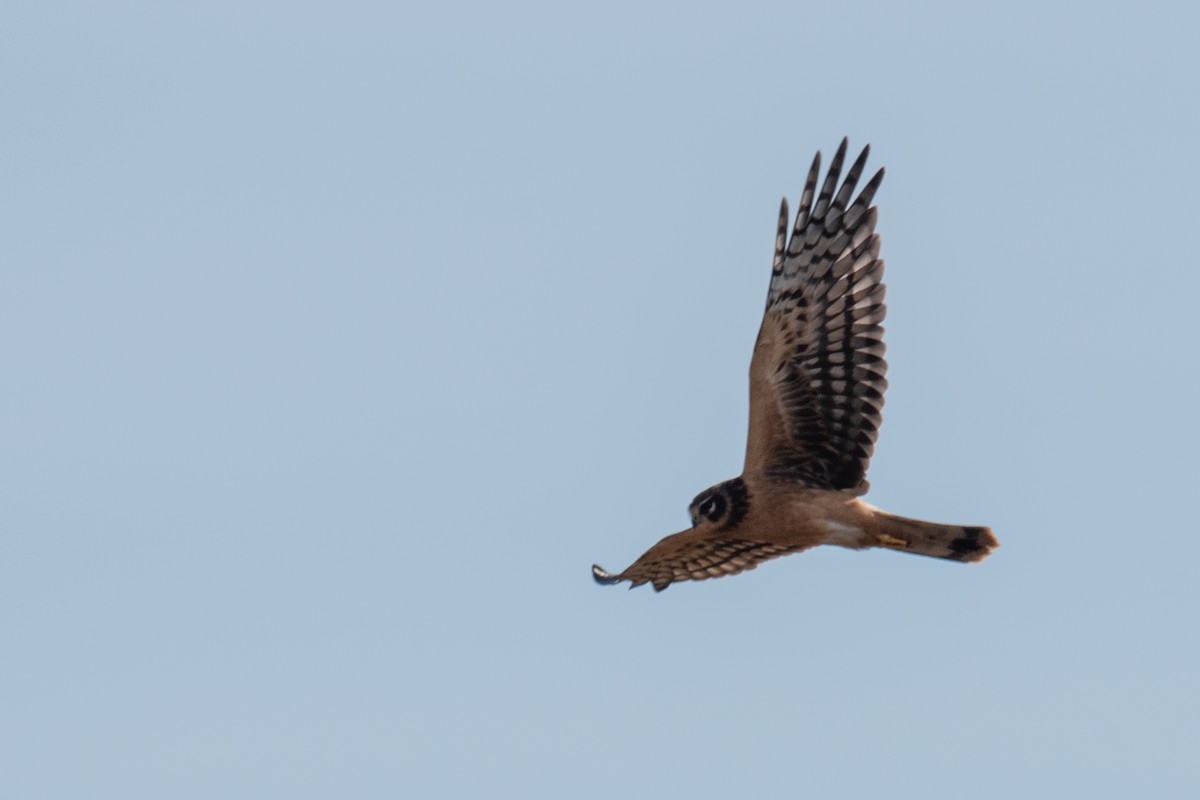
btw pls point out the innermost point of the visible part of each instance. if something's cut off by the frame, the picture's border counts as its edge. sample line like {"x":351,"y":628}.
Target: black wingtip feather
{"x":780,"y":236}
{"x":810,"y":190}
{"x":843,"y":195}
{"x":868,"y":192}
{"x":831,"y":181}
{"x":603,"y":577}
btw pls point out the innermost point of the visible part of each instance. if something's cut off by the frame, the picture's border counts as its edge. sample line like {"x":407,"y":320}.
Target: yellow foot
{"x":892,"y":541}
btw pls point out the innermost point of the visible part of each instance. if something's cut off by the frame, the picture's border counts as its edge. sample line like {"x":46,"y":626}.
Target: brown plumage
{"x":817,"y":380}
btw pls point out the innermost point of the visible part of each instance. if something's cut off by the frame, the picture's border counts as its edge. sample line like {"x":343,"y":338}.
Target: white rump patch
{"x":841,"y":534}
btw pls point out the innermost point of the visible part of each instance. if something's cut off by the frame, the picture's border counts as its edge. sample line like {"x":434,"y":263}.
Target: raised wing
{"x":693,"y":555}
{"x":818,"y":374}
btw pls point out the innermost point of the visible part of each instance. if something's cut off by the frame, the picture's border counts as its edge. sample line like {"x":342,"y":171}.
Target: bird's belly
{"x":821,"y":517}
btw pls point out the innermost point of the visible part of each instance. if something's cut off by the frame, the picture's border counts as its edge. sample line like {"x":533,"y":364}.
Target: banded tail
{"x":952,"y":542}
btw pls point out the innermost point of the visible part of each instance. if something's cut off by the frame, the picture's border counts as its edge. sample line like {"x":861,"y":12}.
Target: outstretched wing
{"x":693,"y":555}
{"x":818,"y":374}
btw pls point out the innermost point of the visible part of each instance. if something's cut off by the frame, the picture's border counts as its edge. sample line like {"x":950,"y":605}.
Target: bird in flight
{"x":816,"y":392}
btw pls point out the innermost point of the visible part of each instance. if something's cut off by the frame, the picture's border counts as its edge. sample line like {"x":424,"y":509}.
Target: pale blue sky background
{"x":339,"y":340}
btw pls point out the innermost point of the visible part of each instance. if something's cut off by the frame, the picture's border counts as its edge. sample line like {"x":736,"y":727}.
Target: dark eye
{"x":712,"y":508}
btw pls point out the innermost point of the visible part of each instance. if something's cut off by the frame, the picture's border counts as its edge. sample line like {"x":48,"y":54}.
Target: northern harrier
{"x":816,"y":391}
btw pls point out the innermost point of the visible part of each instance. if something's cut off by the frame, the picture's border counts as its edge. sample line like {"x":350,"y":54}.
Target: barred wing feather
{"x":818,"y":374}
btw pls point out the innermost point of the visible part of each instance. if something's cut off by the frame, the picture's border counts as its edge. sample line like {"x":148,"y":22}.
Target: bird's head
{"x":723,"y":505}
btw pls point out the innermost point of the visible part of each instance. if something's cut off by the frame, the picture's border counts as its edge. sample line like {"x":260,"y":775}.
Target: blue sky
{"x":339,"y":341}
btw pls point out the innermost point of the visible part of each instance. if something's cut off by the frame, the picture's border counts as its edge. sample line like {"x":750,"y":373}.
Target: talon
{"x":892,"y":541}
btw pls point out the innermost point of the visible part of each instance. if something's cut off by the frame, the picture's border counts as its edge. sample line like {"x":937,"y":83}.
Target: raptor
{"x":817,"y":380}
